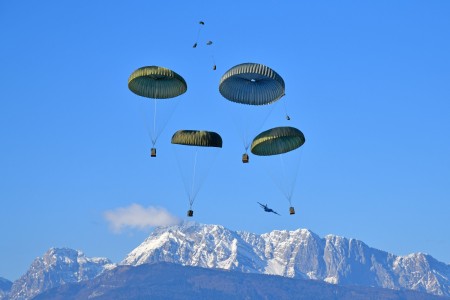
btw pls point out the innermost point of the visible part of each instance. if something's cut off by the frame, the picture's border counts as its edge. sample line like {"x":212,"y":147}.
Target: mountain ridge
{"x":57,"y":266}
{"x":173,"y":281}
{"x":297,"y":254}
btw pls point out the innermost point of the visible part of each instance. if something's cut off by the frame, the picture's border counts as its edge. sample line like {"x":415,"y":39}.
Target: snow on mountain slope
{"x":56,"y":267}
{"x":210,"y":246}
{"x":297,"y":254}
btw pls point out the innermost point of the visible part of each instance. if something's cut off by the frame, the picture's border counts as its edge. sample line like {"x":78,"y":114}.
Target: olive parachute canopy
{"x":277,"y":140}
{"x":200,"y":138}
{"x":252,"y":84}
{"x":208,"y":144}
{"x":156,"y":82}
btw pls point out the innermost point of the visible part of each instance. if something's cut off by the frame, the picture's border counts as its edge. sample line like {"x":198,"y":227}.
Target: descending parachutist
{"x":198,"y":33}
{"x":288,"y":118}
{"x":209,"y":43}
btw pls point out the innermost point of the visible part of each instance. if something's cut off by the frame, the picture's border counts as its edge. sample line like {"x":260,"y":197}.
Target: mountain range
{"x":298,"y":254}
{"x":56,"y":267}
{"x":173,"y":281}
{"x":295,"y":254}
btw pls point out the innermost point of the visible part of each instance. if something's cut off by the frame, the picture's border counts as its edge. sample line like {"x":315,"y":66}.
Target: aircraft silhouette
{"x":267,"y":209}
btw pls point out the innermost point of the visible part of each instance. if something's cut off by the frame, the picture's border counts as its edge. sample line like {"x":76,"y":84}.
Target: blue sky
{"x":367,"y":82}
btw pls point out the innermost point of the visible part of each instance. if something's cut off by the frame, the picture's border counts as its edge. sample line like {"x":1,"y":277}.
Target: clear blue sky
{"x":366,"y":81}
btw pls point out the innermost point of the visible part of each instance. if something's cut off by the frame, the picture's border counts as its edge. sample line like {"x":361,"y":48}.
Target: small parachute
{"x":208,"y":43}
{"x":196,"y":159}
{"x":201,"y":23}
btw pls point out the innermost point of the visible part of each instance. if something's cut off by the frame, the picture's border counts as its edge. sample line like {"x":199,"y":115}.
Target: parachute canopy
{"x":200,"y":138}
{"x":156,"y":82}
{"x":252,"y":84}
{"x":277,"y":140}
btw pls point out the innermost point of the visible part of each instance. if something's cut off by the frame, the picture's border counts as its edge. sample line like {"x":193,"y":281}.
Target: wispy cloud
{"x":137,"y":217}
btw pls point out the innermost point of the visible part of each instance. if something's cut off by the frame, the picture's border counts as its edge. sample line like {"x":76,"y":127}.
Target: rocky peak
{"x":298,"y":254}
{"x":57,"y":266}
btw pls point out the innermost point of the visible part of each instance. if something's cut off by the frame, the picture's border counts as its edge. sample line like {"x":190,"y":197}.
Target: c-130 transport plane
{"x":267,"y":209}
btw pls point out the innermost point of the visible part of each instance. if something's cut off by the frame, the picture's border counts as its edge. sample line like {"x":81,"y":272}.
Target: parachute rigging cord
{"x":159,"y":84}
{"x":194,"y":174}
{"x":297,"y":163}
{"x":201,"y":23}
{"x":279,"y":145}
{"x":156,"y":126}
{"x":247,"y":135}
{"x":210,"y":43}
{"x":204,"y":174}
{"x":285,"y":110}
{"x":289,"y":174}
{"x":147,"y":127}
{"x":192,"y":195}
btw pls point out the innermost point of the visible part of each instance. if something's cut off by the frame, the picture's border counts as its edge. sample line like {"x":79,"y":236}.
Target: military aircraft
{"x":267,"y":209}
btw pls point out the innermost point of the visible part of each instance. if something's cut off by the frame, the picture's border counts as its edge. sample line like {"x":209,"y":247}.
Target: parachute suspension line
{"x":145,"y":119}
{"x":245,"y":139}
{"x":296,"y":164}
{"x":214,"y":62}
{"x":201,"y":180}
{"x":285,"y":111}
{"x":209,"y":43}
{"x":201,"y":23}
{"x":272,"y":107}
{"x":276,"y":178}
{"x":296,"y":171}
{"x":173,"y":104}
{"x":160,"y":122}
{"x":246,"y":131}
{"x":241,"y":127}
{"x":193,"y":193}
{"x":287,"y":192}
{"x":184,"y":178}
{"x":154,"y":136}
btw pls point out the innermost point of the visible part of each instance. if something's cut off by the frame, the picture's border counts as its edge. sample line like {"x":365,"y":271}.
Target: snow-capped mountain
{"x":167,"y":281}
{"x":296,"y":254}
{"x":292,"y":254}
{"x":58,"y":266}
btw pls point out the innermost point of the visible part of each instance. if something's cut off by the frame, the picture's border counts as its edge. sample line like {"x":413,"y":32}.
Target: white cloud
{"x":137,"y":217}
